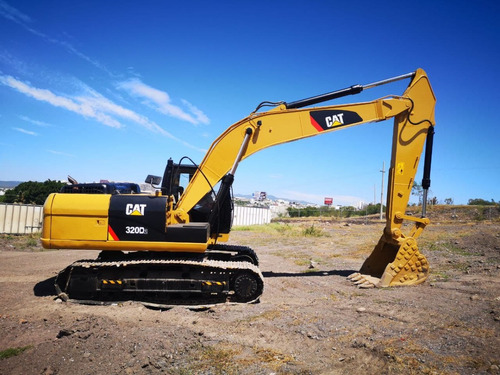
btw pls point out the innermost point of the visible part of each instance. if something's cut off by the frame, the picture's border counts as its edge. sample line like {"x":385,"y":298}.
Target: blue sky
{"x":111,"y":90}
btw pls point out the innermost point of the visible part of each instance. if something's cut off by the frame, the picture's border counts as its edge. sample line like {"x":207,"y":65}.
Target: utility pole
{"x":382,"y":191}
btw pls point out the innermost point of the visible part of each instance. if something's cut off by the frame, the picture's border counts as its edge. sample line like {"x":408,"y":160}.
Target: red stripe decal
{"x":315,"y":124}
{"x":112,"y":233}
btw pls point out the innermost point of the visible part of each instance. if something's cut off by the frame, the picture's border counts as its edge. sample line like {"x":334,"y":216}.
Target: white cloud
{"x":34,"y":122}
{"x":25,"y":131}
{"x":24,"y":20}
{"x":96,"y":106}
{"x":200,"y":116}
{"x":160,"y":101}
{"x":276,"y":176}
{"x":60,"y":153}
{"x":91,"y":105}
{"x":13,"y":14}
{"x":44,"y":95}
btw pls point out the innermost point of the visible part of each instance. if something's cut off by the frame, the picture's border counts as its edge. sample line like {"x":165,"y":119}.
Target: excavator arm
{"x":413,"y":114}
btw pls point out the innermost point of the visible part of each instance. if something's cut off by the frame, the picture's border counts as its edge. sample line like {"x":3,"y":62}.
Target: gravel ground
{"x":308,"y":321}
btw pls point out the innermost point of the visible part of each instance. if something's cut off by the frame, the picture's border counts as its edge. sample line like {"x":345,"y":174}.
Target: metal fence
{"x":20,"y":218}
{"x":251,"y":215}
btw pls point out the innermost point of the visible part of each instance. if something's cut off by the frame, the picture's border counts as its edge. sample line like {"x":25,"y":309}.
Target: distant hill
{"x":9,"y":184}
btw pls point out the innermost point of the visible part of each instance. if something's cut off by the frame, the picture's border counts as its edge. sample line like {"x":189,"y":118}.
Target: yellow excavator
{"x":166,"y":248}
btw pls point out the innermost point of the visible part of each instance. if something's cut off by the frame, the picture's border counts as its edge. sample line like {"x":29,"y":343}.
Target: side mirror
{"x":153,"y":180}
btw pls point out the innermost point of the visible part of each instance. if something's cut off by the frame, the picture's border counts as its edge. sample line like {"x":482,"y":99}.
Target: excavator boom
{"x":287,"y":123}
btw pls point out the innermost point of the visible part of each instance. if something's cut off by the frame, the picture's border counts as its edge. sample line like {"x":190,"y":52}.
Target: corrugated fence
{"x":20,"y":218}
{"x":26,"y":218}
{"x":251,"y":215}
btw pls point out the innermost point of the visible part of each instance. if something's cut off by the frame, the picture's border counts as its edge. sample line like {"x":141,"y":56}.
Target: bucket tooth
{"x":360,"y":281}
{"x":357,"y":278}
{"x":366,"y":285}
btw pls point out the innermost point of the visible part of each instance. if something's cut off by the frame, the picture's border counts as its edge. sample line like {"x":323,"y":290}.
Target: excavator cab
{"x":175,"y":178}
{"x":209,"y":209}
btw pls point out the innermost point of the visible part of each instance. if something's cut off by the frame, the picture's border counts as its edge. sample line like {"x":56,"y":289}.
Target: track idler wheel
{"x":247,"y":287}
{"x":392,"y":264}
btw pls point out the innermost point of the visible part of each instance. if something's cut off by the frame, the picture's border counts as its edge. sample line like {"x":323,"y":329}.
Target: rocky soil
{"x":310,"y":319}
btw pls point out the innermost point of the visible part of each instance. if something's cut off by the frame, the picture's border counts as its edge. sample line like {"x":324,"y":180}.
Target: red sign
{"x":328,"y":201}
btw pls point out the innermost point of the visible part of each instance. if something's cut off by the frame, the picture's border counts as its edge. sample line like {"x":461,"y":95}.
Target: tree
{"x":373,"y":209}
{"x":481,"y":202}
{"x":448,"y":201}
{"x":433,"y":201}
{"x":32,"y":192}
{"x":418,"y":191}
{"x":10,"y":196}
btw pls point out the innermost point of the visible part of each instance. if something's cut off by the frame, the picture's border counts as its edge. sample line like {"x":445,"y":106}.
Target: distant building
{"x":361,"y":205}
{"x":260,"y":195}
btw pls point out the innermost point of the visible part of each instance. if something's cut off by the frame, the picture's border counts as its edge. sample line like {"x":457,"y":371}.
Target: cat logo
{"x":135,"y":209}
{"x":330,"y":119}
{"x":334,"y":120}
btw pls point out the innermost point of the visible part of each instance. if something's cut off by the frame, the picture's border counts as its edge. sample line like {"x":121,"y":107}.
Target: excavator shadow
{"x":343,"y":273}
{"x":45,"y":288}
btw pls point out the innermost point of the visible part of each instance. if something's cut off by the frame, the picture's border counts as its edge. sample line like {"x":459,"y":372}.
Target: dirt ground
{"x":308,"y":321}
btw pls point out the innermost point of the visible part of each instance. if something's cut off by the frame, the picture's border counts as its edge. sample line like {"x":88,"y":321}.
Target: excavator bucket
{"x":392,"y":263}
